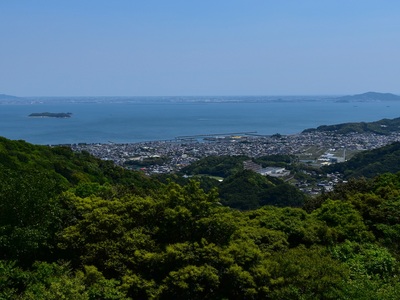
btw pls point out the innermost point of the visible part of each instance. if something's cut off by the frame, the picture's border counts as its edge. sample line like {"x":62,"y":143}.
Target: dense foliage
{"x":114,"y":234}
{"x":68,"y":168}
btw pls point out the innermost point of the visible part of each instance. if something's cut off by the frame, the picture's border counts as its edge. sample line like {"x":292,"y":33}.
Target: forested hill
{"x":370,"y":163}
{"x":243,"y":189}
{"x":73,"y":227}
{"x":384,"y":126}
{"x":66,"y":167}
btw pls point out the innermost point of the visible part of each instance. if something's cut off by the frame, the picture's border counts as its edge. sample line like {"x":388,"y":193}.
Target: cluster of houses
{"x":270,"y":171}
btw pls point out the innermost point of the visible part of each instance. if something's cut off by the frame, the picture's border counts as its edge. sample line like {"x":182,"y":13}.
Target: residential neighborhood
{"x":317,"y":148}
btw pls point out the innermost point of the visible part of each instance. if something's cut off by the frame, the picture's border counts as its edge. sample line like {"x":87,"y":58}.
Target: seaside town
{"x":316,"y":148}
{"x":313,"y":149}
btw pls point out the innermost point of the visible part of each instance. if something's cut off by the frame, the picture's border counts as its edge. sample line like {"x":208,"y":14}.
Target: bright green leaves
{"x":296,"y":224}
{"x":52,"y":281}
{"x":108,"y":232}
{"x":181,"y":211}
{"x":191,"y":197}
{"x":342,"y":222}
{"x":98,"y":287}
{"x":377,"y":202}
{"x":373,"y":270}
{"x":191,"y":282}
{"x":265,"y":239}
{"x":56,"y":281}
{"x":366,"y":259}
{"x":181,"y":244}
{"x":219,"y":226}
{"x":302,"y":273}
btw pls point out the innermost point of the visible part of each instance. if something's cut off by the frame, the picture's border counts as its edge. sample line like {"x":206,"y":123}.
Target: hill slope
{"x":68,"y":167}
{"x":61,"y":241}
{"x":370,"y":163}
{"x":384,"y":126}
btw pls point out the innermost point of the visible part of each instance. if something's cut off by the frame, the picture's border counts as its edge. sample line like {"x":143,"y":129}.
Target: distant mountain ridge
{"x":365,"y":97}
{"x":369,"y":96}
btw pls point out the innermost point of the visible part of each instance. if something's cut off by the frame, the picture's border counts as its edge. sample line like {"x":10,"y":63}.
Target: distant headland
{"x":51,"y":115}
{"x":369,"y":96}
{"x":384,"y":127}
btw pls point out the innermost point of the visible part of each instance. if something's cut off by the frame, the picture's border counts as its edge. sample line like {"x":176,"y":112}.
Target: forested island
{"x":76,"y":227}
{"x":51,"y":115}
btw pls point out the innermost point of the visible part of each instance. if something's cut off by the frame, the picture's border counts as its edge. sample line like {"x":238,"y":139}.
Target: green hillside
{"x":384,"y":126}
{"x":67,"y":167}
{"x":243,"y":189}
{"x":370,"y":163}
{"x":74,"y":227}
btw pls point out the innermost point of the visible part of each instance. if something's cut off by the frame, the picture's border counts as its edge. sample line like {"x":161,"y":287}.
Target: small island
{"x":51,"y":115}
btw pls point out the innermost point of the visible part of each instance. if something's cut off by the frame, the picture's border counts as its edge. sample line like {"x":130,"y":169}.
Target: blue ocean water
{"x":127,"y":122}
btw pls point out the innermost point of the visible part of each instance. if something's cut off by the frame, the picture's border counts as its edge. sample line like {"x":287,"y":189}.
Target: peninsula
{"x":383,"y":127}
{"x":368,"y":97}
{"x":51,"y":115}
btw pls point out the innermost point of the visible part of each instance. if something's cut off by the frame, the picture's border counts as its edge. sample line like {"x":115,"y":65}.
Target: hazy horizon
{"x":195,"y":96}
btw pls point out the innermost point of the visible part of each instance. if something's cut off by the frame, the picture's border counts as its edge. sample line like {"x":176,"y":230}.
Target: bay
{"x":126,"y":122}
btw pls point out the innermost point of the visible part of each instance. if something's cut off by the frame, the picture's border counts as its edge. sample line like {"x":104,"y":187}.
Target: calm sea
{"x":127,"y":122}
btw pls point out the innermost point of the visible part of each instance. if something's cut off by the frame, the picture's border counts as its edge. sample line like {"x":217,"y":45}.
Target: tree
{"x":343,"y":222}
{"x":29,"y":214}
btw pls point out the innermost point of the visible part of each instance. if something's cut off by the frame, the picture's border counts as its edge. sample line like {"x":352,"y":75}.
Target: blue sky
{"x":199,"y":47}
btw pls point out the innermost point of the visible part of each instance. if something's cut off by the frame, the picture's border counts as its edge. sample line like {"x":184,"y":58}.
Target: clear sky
{"x":199,"y":47}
